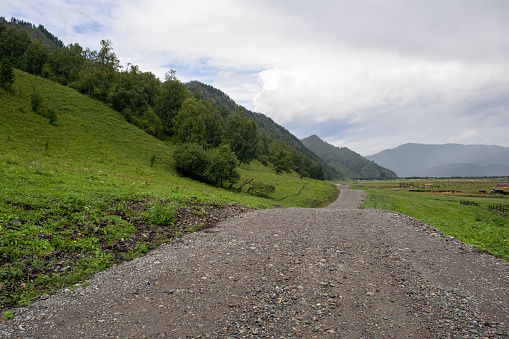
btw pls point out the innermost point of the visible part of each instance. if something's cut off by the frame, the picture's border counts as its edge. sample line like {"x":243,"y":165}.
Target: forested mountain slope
{"x":346,"y":161}
{"x":264,"y":123}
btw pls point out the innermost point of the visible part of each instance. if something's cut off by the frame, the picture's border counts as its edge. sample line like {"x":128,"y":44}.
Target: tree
{"x":189,"y":124}
{"x":107,"y":64}
{"x":316,"y":171}
{"x":223,"y":165}
{"x":10,"y":45}
{"x":132,"y":92}
{"x":264,"y":143}
{"x":66,"y":62}
{"x":213,"y":124}
{"x":168,"y":100}
{"x":281,"y":157}
{"x":7,"y":77}
{"x":35,"y":57}
{"x":242,"y":135}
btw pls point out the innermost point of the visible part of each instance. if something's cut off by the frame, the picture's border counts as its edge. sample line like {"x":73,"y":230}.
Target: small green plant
{"x":51,"y":114}
{"x":152,"y":160}
{"x":199,"y":213}
{"x":160,"y":213}
{"x":36,"y":101}
{"x":7,"y":315}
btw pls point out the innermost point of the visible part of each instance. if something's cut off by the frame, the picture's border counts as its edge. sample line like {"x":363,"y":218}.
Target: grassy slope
{"x":90,"y":139}
{"x":88,"y":181}
{"x":471,"y":224}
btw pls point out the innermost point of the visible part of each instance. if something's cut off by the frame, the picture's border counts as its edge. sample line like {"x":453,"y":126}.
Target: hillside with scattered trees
{"x":196,"y":116}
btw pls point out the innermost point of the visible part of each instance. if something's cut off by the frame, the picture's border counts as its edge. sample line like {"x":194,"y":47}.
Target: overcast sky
{"x":364,"y":74}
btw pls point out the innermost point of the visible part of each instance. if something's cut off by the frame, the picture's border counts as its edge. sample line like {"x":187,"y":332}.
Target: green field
{"x":477,"y":225}
{"x":90,"y":190}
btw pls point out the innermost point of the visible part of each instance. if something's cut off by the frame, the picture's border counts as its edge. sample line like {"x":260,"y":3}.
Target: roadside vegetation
{"x":485,"y":228}
{"x":86,"y":190}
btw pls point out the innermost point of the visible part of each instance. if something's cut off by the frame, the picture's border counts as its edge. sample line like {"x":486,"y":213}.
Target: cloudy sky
{"x":365,"y":74}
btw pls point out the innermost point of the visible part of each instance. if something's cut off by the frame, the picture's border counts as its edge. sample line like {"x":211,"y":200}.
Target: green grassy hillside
{"x":91,"y":189}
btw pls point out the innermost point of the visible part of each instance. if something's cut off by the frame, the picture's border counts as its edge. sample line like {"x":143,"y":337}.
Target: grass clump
{"x":161,"y":213}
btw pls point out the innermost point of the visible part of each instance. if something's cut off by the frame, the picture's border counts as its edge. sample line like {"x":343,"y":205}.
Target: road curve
{"x":348,"y":198}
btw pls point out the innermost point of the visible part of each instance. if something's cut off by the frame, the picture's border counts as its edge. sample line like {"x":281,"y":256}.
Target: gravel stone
{"x":336,"y":272}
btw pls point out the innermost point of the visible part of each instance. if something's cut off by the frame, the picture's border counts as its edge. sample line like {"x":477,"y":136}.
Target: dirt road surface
{"x":336,"y":272}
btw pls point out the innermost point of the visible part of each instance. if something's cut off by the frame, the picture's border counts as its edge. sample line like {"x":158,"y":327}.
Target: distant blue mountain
{"x":448,"y":160}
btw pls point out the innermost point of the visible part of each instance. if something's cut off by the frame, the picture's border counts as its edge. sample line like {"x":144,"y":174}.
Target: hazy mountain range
{"x":448,"y":160}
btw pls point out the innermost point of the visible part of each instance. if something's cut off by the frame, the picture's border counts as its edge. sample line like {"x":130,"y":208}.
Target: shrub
{"x":261,"y":189}
{"x":36,"y":101}
{"x":191,"y":160}
{"x":51,"y":114}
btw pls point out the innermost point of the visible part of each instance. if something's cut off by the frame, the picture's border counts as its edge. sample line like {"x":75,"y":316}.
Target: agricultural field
{"x":461,"y":212}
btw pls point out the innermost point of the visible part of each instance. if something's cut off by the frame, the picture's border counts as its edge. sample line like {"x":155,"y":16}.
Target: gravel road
{"x":336,"y":272}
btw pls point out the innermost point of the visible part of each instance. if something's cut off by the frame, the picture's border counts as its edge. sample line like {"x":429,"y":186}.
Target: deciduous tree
{"x":281,"y":157}
{"x":223,"y":165}
{"x":6,"y":74}
{"x":35,"y":57}
{"x":242,"y":135}
{"x":168,"y":100}
{"x":189,"y":124}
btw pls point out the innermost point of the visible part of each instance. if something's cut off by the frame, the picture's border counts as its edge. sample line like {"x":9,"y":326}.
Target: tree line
{"x":165,"y":108}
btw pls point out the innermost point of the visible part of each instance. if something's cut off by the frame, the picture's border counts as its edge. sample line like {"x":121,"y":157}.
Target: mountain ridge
{"x":349,"y":163}
{"x":445,"y":160}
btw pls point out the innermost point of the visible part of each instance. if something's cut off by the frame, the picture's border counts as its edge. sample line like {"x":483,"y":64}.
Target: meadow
{"x":475,"y":224}
{"x":87,"y":190}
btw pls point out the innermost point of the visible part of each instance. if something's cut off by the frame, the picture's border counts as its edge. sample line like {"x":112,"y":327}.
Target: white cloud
{"x":366,"y":74}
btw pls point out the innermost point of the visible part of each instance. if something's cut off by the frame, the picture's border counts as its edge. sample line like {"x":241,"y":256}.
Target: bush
{"x":36,"y":102}
{"x":191,"y":160}
{"x":263,"y":160}
{"x":51,"y":114}
{"x":6,"y":74}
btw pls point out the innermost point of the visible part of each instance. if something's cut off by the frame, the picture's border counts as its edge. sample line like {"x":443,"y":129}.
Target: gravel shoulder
{"x":336,"y":272}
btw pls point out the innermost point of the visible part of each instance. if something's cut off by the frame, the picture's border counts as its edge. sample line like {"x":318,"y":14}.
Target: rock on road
{"x":336,"y":272}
